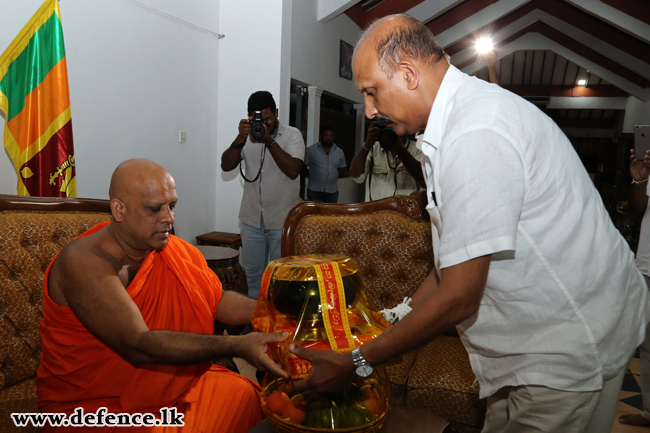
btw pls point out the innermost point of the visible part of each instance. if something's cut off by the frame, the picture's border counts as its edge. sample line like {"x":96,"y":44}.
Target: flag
{"x":35,"y":102}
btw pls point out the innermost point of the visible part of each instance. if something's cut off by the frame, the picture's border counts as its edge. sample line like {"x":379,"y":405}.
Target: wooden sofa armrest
{"x":53,"y":204}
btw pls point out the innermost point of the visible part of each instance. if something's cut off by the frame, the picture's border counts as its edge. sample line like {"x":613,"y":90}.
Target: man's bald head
{"x":133,"y":175}
{"x":396,"y":37}
{"x":143,"y":202}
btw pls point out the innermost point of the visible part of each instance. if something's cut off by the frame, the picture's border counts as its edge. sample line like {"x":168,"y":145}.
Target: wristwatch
{"x":363,"y":368}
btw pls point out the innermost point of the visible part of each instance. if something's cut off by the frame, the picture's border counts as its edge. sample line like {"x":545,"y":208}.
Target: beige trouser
{"x":524,"y":409}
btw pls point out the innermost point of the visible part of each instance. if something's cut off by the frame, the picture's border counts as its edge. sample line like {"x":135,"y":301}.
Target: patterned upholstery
{"x":442,"y":380}
{"x":28,"y":242}
{"x":394,"y":253}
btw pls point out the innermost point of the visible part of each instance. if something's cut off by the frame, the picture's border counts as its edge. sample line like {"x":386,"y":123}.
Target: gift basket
{"x":320,"y":300}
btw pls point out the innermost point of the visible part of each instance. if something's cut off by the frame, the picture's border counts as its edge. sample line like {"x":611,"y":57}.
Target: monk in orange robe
{"x":129,"y":315}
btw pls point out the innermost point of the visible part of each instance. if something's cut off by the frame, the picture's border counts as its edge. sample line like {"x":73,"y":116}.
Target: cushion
{"x":28,"y":242}
{"x":442,"y":380}
{"x":19,"y":398}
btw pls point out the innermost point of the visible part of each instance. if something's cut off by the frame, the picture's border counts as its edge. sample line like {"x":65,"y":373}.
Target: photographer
{"x":272,"y":185}
{"x":391,"y":164}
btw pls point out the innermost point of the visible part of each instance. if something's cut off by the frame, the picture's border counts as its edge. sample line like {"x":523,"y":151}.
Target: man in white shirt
{"x":528,"y":265}
{"x":389,"y":169}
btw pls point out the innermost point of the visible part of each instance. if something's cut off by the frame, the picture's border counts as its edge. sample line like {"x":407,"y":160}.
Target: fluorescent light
{"x":484,"y":44}
{"x":582,"y":82}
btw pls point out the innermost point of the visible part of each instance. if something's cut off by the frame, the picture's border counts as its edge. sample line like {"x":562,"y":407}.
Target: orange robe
{"x":174,"y":290}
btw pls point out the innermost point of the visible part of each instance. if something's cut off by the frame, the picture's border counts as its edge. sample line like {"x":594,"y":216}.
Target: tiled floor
{"x":629,"y":399}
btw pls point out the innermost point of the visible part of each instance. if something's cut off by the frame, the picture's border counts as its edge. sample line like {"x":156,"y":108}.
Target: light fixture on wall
{"x":582,"y":82}
{"x":484,"y":44}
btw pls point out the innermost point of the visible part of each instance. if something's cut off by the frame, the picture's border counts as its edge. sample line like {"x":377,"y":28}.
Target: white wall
{"x":637,"y":112}
{"x":315,"y":61}
{"x":250,"y":59}
{"x":136,"y":79}
{"x":315,"y":49}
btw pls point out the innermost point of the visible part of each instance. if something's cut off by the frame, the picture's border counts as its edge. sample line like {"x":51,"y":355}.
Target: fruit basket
{"x":320,"y":301}
{"x":360,"y":407}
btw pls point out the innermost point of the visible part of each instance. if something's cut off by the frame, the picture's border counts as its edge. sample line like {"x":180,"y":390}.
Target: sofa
{"x":390,"y":239}
{"x":32,"y":231}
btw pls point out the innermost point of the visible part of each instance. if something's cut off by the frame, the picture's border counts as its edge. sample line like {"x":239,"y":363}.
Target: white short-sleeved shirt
{"x":274,"y":193}
{"x":564,"y":304}
{"x":643,"y":251}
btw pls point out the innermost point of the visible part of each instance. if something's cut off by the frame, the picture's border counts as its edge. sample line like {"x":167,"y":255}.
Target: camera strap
{"x":259,"y":172}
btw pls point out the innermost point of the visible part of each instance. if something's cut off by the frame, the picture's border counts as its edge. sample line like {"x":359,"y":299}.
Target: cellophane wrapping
{"x":321,"y":302}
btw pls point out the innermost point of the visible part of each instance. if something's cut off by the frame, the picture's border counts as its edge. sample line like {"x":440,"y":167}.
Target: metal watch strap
{"x":358,"y":358}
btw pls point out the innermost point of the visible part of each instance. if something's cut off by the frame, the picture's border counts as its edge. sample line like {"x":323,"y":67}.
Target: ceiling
{"x":543,"y":48}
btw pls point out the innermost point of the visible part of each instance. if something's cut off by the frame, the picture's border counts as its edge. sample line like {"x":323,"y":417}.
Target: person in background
{"x":271,"y":188}
{"x":639,"y":205}
{"x":389,"y":169}
{"x":491,"y":58}
{"x":324,"y":164}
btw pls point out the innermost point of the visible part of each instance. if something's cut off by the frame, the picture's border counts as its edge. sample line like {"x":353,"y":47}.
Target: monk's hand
{"x":254,"y":347}
{"x":330,"y":371}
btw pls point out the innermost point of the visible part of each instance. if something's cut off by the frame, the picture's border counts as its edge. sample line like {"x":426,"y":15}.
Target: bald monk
{"x":129,"y":315}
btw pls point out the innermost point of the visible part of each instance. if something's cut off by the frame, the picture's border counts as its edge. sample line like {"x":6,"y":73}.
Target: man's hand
{"x":253,"y":349}
{"x":373,"y":135}
{"x":330,"y":371}
{"x":639,"y":169}
{"x":244,"y":130}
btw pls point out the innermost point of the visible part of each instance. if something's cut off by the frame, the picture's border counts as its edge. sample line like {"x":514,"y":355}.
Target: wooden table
{"x":225,"y":263}
{"x":220,"y":239}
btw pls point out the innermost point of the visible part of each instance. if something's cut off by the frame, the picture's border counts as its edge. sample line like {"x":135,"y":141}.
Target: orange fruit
{"x":372,"y":405}
{"x":294,"y":414}
{"x":277,"y":401}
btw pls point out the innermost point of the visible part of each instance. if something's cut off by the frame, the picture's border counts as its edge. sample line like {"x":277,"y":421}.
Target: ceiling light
{"x":484,"y":45}
{"x":582,"y":82}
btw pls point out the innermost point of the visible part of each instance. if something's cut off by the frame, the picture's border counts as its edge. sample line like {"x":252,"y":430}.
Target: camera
{"x":387,"y":136}
{"x":257,"y":126}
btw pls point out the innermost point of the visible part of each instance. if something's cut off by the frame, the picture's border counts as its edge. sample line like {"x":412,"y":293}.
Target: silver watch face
{"x":364,"y":370}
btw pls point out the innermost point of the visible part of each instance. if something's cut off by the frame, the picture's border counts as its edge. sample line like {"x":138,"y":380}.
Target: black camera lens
{"x":387,"y":136}
{"x":257,"y":126}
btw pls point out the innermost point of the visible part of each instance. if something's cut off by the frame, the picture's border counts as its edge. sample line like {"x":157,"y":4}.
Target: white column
{"x":361,"y":126}
{"x":313,"y":114}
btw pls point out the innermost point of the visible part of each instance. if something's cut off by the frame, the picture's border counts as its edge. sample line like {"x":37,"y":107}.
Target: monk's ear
{"x":410,"y":73}
{"x":118,"y":209}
